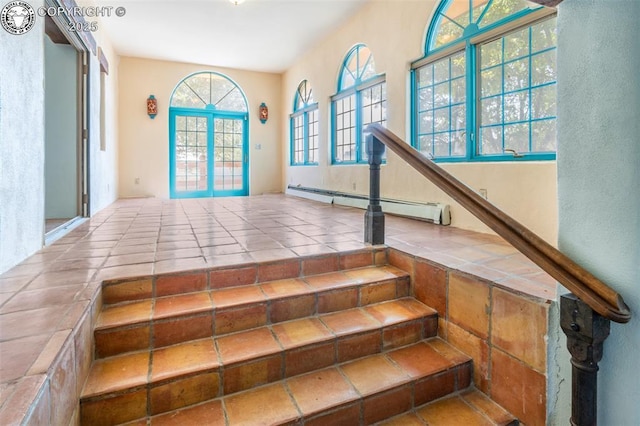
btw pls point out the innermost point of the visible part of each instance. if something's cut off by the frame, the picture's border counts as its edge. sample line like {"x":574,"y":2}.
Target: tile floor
{"x":44,"y":296}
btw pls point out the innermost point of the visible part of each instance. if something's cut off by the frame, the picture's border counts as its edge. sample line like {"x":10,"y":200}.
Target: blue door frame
{"x":210,"y":189}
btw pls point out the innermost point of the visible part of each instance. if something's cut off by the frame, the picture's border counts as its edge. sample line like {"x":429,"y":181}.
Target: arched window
{"x":361,"y":99}
{"x":208,"y":140}
{"x":209,"y":90}
{"x":304,"y":127}
{"x":486,"y":88}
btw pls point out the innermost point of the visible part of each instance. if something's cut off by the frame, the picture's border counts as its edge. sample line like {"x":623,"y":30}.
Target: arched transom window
{"x":209,"y":90}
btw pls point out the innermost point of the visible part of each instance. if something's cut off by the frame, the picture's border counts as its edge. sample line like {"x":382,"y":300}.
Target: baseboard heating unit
{"x":437,"y":213}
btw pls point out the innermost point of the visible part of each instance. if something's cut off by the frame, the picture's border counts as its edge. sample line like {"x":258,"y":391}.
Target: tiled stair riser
{"x":263,"y":355}
{"x":145,"y":325}
{"x":407,"y":384}
{"x":271,"y":297}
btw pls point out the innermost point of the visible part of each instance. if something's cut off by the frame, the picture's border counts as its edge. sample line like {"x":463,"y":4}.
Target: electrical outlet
{"x":483,"y":193}
{"x":137,"y":181}
{"x":353,"y":186}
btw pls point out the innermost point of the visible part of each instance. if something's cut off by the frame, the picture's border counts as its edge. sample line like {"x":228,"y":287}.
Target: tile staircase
{"x":321,"y":344}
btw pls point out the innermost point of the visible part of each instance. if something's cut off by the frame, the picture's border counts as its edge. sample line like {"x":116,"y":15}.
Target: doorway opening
{"x":208,"y":138}
{"x":66,"y":162}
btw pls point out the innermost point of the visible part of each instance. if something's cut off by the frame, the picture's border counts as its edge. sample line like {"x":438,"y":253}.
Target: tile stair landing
{"x":342,"y":347}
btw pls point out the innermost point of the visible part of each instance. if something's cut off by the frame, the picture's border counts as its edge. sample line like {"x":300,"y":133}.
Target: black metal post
{"x":374,"y":217}
{"x":586,"y":331}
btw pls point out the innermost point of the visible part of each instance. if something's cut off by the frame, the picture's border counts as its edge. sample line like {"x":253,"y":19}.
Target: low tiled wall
{"x":503,"y":331}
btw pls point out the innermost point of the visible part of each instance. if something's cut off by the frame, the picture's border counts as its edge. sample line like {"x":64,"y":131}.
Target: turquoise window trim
{"x":361,"y":82}
{"x":211,"y":113}
{"x":471,"y":40}
{"x":305,"y":113}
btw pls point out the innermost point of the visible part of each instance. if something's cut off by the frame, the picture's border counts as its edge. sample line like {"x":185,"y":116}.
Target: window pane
{"x":491,"y":81}
{"x":544,"y":35}
{"x":448,"y":32}
{"x":516,"y":107}
{"x":441,"y":71}
{"x":345,"y":131}
{"x":543,"y":136}
{"x":425,"y":145}
{"x":491,"y":110}
{"x":516,"y":75}
{"x":544,"y":68}
{"x":516,"y":45}
{"x":491,"y":140}
{"x":516,"y":137}
{"x":524,"y":91}
{"x":491,"y":54}
{"x":501,"y":9}
{"x":425,"y":98}
{"x":425,"y":76}
{"x":442,"y":108}
{"x":543,"y":102}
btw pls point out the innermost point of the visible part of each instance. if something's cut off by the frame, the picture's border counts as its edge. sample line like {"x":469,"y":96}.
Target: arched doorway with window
{"x":208,"y":138}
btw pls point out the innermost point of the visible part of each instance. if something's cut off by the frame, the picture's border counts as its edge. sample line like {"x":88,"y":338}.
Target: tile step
{"x":362,"y":391}
{"x":468,"y":407}
{"x":249,"y":358}
{"x":165,"y":321}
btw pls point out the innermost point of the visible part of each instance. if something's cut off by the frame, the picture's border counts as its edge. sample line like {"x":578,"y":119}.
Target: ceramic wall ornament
{"x":264,"y":113}
{"x":152,"y":106}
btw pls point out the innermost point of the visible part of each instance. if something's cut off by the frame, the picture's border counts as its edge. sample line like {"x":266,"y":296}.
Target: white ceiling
{"x":259,"y":35}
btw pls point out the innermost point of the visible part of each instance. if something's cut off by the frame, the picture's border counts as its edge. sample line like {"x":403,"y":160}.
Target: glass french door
{"x":208,"y":154}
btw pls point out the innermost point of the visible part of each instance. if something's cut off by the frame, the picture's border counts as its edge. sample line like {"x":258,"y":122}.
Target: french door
{"x":208,"y":154}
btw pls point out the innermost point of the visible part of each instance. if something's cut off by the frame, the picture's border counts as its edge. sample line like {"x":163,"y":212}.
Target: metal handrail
{"x":600,"y":297}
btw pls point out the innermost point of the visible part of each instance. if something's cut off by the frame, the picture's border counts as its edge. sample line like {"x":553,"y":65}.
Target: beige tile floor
{"x":44,"y":296}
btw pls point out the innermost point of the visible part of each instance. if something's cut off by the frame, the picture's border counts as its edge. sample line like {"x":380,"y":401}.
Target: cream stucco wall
{"x":103,"y":163}
{"x":395,"y":33}
{"x":144,"y":142}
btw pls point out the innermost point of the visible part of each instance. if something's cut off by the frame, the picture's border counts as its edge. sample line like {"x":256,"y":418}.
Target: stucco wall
{"x":395,"y":33}
{"x":103,"y":164}
{"x":598,"y":180}
{"x":21,"y":144}
{"x":22,"y":135}
{"x":144,"y":142}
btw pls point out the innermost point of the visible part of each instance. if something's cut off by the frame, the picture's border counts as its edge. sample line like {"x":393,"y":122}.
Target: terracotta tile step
{"x":164,"y":321}
{"x":141,"y":288}
{"x":363,"y":391}
{"x":468,"y":407}
{"x":239,"y":361}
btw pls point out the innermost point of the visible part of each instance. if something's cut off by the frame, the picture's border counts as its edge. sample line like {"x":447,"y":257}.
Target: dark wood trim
{"x":53,"y":32}
{"x":600,"y":297}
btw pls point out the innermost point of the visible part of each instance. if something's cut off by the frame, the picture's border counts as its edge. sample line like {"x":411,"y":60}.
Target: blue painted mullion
{"x":530,"y":94}
{"x":358,"y":125}
{"x":450,"y":96}
{"x":486,"y":8}
{"x":305,"y":137}
{"x":502,"y":91}
{"x":473,"y":133}
{"x":210,"y":153}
